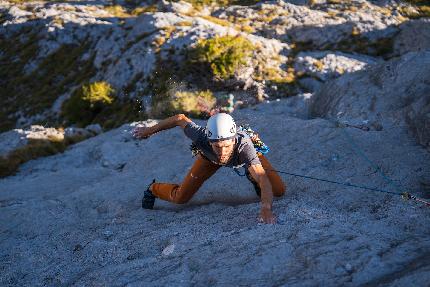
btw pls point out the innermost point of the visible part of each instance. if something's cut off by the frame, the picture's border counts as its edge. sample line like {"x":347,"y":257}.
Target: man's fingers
{"x":269,"y":220}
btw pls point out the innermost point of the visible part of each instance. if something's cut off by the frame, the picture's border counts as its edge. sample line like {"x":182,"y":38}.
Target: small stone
{"x":78,"y":247}
{"x":168,"y":250}
{"x":348,"y":267}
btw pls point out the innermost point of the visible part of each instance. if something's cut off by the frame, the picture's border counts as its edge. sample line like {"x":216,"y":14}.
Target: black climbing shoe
{"x":148,"y":198}
{"x":254,"y":183}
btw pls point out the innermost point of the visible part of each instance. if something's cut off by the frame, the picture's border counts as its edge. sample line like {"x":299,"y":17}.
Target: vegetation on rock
{"x":97,"y":103}
{"x":222,"y":54}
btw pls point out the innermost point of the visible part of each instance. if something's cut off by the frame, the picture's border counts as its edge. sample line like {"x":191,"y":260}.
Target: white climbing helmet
{"x":220,"y":127}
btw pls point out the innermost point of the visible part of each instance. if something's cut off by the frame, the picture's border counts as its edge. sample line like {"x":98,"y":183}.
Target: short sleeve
{"x":248,"y":155}
{"x":194,"y":132}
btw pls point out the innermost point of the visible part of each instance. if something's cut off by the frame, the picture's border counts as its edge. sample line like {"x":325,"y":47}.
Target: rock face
{"x":75,"y":218}
{"x":18,"y":138}
{"x":124,"y":48}
{"x":395,"y":92}
{"x":320,"y":26}
{"x":315,"y":68}
{"x":414,"y":36}
{"x":25,"y":140}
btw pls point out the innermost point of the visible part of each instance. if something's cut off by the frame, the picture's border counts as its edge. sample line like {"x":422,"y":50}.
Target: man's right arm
{"x":179,"y":120}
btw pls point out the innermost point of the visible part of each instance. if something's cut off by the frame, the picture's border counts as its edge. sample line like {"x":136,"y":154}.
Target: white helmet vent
{"x":220,"y":127}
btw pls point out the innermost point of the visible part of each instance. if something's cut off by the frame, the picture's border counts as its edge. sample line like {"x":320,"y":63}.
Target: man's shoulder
{"x":243,"y":141}
{"x":243,"y":137}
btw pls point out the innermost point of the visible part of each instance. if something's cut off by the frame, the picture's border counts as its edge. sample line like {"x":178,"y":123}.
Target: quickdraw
{"x":259,"y":145}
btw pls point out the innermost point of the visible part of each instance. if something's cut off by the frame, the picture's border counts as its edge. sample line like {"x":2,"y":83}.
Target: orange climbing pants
{"x":201,"y":170}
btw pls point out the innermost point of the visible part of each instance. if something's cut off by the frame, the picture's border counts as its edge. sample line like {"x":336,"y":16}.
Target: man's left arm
{"x":259,"y":174}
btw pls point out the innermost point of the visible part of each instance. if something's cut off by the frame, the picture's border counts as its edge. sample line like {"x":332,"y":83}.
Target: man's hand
{"x":266,"y":216}
{"x":142,"y":132}
{"x":174,"y":121}
{"x":259,"y":174}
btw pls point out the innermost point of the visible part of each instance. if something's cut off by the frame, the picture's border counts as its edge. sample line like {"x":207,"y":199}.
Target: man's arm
{"x":259,"y":174}
{"x":179,"y":120}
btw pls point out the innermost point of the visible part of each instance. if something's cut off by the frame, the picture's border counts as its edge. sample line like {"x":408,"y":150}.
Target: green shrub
{"x":176,"y":100}
{"x":189,"y":102}
{"x":222,"y":54}
{"x":97,"y":92}
{"x":86,"y":102}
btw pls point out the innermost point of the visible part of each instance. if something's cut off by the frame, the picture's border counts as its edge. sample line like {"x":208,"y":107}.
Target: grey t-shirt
{"x":244,"y":152}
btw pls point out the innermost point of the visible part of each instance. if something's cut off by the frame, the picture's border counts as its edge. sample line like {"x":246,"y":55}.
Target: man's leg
{"x":278,"y":186}
{"x":199,"y":172}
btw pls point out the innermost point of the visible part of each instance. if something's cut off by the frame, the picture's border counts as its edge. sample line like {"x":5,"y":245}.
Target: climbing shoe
{"x":254,"y":183}
{"x":148,"y":198}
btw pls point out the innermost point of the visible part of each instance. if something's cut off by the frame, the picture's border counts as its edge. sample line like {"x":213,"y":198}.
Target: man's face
{"x":223,"y":149}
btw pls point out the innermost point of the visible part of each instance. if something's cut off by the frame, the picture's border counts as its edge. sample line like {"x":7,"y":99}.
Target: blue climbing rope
{"x":360,"y":152}
{"x":405,"y":195}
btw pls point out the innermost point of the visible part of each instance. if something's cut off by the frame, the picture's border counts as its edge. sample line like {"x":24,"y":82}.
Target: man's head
{"x":223,"y":149}
{"x":221,"y":132}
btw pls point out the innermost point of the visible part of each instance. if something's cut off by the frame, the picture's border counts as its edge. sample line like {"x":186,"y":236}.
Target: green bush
{"x":175,"y":100}
{"x":222,"y":54}
{"x":190,"y":102}
{"x":86,"y":102}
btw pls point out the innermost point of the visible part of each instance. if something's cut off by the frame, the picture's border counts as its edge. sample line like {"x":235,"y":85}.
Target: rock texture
{"x":329,"y":65}
{"x":75,"y":218}
{"x":124,"y":48}
{"x":396,"y":92}
{"x":18,"y":138}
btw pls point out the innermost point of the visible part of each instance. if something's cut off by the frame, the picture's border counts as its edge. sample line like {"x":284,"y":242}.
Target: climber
{"x":219,"y":144}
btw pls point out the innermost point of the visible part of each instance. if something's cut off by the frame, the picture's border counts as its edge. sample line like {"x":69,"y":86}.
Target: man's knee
{"x":279,"y":190}
{"x":181,"y":200}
